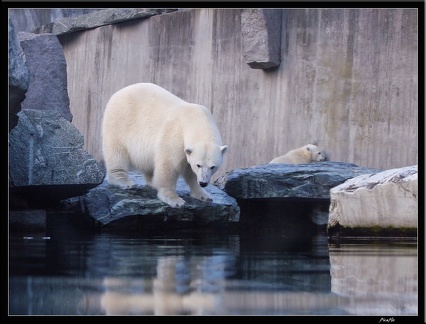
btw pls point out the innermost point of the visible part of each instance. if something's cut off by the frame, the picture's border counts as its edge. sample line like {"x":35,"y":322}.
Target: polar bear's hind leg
{"x":120,"y":178}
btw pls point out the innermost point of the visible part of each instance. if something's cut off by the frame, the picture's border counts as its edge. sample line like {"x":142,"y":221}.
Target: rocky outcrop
{"x":48,"y":74}
{"x":98,"y":18}
{"x":261,"y":37}
{"x":19,"y":76}
{"x":384,"y":199}
{"x":112,"y":208}
{"x":26,"y":19}
{"x":312,"y":180}
{"x":47,"y":159}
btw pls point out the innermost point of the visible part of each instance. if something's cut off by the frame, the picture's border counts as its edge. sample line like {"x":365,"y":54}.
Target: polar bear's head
{"x":315,"y":153}
{"x":205,"y":160}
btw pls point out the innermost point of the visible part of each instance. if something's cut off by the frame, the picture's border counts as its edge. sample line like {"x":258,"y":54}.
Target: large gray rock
{"x":110,"y":207}
{"x":261,"y":37}
{"x":385,"y":199}
{"x":28,"y":19}
{"x":98,"y":18}
{"x":48,"y":74}
{"x":313,"y":180}
{"x":19,"y":76}
{"x":46,"y":149}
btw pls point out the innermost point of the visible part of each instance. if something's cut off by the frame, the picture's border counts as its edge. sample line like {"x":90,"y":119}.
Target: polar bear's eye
{"x":212,"y":167}
{"x":198,"y":165}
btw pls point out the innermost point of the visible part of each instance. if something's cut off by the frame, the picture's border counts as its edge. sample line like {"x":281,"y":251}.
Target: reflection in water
{"x":208,"y":273}
{"x":172,"y":292}
{"x":377,"y":279}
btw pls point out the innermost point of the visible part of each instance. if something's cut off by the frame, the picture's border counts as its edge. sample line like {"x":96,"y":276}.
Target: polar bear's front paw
{"x":207,"y":199}
{"x":128,"y":185}
{"x":173,"y":201}
{"x":122,"y":183}
{"x":202,"y":195}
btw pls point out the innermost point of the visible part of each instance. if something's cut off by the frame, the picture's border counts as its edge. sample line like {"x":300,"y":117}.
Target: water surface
{"x":219,"y":272}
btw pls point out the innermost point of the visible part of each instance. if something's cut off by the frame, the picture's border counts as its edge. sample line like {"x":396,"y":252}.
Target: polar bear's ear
{"x":223,"y":149}
{"x":188,"y":150}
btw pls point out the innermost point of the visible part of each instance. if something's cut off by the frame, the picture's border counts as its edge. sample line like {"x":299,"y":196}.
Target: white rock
{"x":388,"y":198}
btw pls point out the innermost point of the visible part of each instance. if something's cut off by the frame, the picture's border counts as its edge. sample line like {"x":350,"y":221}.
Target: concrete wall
{"x":347,"y":80}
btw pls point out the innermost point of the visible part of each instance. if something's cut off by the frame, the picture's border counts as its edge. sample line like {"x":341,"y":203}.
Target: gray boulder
{"x":26,"y":19}
{"x":19,"y":76}
{"x":112,"y":208}
{"x":98,"y":18}
{"x":48,"y":74}
{"x":313,"y":180}
{"x":261,"y":37}
{"x":46,"y":155}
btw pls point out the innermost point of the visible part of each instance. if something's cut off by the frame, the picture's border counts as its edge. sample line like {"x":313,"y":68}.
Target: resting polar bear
{"x":147,"y":128}
{"x":305,"y":154}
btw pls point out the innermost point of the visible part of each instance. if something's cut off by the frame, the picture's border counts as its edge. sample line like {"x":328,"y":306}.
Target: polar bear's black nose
{"x":203,"y":184}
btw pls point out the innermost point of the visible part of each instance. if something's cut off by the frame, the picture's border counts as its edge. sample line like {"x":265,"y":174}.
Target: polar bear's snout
{"x":321,"y":157}
{"x":203,"y":176}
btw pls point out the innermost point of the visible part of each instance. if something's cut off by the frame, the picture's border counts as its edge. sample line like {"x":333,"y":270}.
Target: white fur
{"x":148,"y":129}
{"x":305,"y":154}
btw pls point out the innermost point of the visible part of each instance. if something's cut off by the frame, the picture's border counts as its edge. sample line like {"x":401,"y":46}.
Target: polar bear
{"x":146,"y":128}
{"x":305,"y":154}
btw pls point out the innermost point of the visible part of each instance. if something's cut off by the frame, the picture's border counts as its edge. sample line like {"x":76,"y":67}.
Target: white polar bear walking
{"x":146,"y":128}
{"x":305,"y":154}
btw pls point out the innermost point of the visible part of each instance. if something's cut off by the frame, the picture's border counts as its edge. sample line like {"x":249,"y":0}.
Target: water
{"x":217,"y":272}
